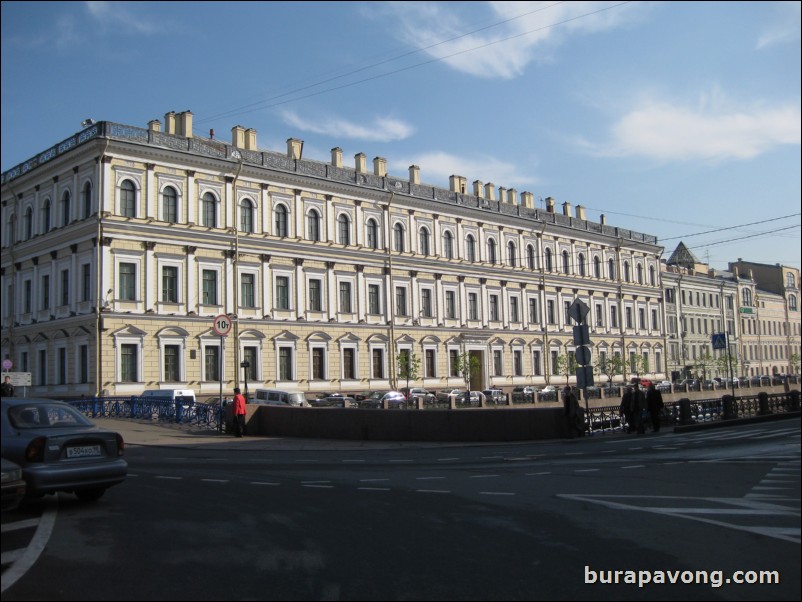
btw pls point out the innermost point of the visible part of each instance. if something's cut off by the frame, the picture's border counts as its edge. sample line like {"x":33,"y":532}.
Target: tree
{"x":408,"y":365}
{"x":610,"y":366}
{"x":705,"y":363}
{"x":467,"y":365}
{"x":566,"y":364}
{"x":793,"y":360}
{"x":724,"y":362}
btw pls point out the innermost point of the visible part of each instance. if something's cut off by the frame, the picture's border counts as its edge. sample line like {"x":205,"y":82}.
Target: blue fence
{"x":153,"y":408}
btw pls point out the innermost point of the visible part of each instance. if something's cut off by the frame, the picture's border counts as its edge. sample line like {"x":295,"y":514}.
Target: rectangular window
{"x":318,"y":363}
{"x":65,"y":287}
{"x":555,"y":368}
{"x":250,"y":355}
{"x":426,"y":302}
{"x":211,"y":359}
{"x":209,"y":288}
{"x":498,"y":366}
{"x":517,"y":363}
{"x":45,"y":294}
{"x":534,"y":311}
{"x":282,"y":299}
{"x":128,"y":281}
{"x":86,"y":282}
{"x":566,"y":317}
{"x":453,"y":362}
{"x":537,"y":369}
{"x":451,"y":305}
{"x":83,"y":364}
{"x":315,"y":295}
{"x":514,"y":309}
{"x":400,"y":301}
{"x":614,"y":316}
{"x":374,"y":299}
{"x":658,"y":361}
{"x":431,"y":364}
{"x":128,"y":363}
{"x":550,"y":312}
{"x":655,"y":323}
{"x":646,"y":361}
{"x":345,"y":298}
{"x":42,"y":366}
{"x":170,"y":284}
{"x":494,"y":308}
{"x":599,"y":315}
{"x":349,"y":364}
{"x":62,"y":366}
{"x":473,"y":306}
{"x":247,"y":290}
{"x":172,"y":365}
{"x":285,"y":363}
{"x":378,"y":363}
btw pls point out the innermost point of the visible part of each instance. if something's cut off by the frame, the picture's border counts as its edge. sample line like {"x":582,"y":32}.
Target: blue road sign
{"x":719,"y":340}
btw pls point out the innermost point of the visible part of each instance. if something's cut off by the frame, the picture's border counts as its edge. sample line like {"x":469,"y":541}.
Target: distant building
{"x":122,"y":244}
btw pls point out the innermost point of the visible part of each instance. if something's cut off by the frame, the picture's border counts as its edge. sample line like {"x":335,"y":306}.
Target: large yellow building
{"x":122,"y":244}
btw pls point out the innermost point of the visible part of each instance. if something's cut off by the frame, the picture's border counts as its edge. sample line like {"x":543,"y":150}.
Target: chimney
{"x":478,"y":189}
{"x":295,"y":148}
{"x":184,"y":125}
{"x":169,"y":122}
{"x":250,"y":139}
{"x":580,"y":212}
{"x":549,"y":204}
{"x":490,"y":191}
{"x":337,"y":156}
{"x":414,"y":174}
{"x":238,"y":136}
{"x":379,"y":166}
{"x":735,"y":271}
{"x":154,"y":125}
{"x":458,"y":184}
{"x":361,"y":162}
{"x":602,"y":219}
{"x":512,"y":196}
{"x":567,"y":209}
{"x":502,"y":194}
{"x":528,"y":200}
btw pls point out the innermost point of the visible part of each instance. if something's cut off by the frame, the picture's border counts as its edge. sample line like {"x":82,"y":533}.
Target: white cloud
{"x":381,"y":129}
{"x":115,"y":16}
{"x":520,"y":32}
{"x":784,"y":28}
{"x":437,"y":166}
{"x":712,"y":131}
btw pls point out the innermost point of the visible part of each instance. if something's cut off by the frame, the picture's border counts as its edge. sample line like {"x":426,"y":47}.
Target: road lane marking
{"x":263,"y":483}
{"x":432,"y":491}
{"x":23,"y":564}
{"x":633,"y":466}
{"x":483,"y":476}
{"x":169,"y":478}
{"x":495,"y":493}
{"x":215,"y":480}
{"x":374,"y":488}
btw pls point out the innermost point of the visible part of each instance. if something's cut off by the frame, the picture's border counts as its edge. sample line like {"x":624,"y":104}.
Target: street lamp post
{"x":236,"y":154}
{"x":245,"y":364}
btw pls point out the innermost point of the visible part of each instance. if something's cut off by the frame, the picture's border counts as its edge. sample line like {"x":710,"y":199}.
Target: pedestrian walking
{"x":654,"y":401}
{"x":239,"y":413}
{"x":625,"y":409}
{"x":638,"y":403}
{"x":573,"y":413}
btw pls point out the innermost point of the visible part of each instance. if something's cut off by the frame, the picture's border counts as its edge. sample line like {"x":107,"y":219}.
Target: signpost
{"x":221,"y":327}
{"x":719,"y":341}
{"x":578,"y":311}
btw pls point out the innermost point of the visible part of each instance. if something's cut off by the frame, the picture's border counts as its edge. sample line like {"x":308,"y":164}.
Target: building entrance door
{"x":478,"y":377}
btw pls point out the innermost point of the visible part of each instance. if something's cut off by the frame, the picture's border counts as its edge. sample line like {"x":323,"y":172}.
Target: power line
{"x":740,"y":238}
{"x":774,"y":219}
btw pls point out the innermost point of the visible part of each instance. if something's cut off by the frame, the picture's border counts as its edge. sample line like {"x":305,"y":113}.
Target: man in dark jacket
{"x":654,"y":401}
{"x":625,"y":409}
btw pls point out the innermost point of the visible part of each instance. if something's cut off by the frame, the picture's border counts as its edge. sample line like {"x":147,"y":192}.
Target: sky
{"x":676,"y":119}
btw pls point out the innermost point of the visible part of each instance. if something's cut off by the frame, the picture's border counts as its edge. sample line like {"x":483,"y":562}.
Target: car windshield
{"x":44,"y":415}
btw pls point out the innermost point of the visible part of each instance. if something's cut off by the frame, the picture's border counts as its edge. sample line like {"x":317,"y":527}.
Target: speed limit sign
{"x":222,"y":325}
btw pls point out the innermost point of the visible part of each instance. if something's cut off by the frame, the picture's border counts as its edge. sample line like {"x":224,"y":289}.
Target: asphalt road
{"x":220,"y":520}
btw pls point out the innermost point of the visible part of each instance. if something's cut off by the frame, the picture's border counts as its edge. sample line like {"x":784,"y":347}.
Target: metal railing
{"x":153,"y":408}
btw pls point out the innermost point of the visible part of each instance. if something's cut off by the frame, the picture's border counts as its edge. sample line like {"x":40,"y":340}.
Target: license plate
{"x":83,"y":451}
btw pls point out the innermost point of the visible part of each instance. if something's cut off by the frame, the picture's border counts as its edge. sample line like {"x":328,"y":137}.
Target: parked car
{"x":335,"y":400}
{"x":59,"y":449}
{"x":13,"y":486}
{"x":279,"y":397}
{"x":524,"y":394}
{"x":445,"y":395}
{"x":663,"y":385}
{"x":395,"y":400}
{"x":496,"y":396}
{"x":548,"y":393}
{"x":418,"y":392}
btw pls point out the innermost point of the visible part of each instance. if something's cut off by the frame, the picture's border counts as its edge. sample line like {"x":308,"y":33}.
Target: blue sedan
{"x":59,"y":449}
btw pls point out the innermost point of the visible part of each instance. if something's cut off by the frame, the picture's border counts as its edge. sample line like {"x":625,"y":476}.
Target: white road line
{"x":633,"y":466}
{"x":34,"y":549}
{"x":320,"y":486}
{"x":536,"y":474}
{"x":169,"y":478}
{"x":432,"y":491}
{"x":372,"y":480}
{"x":11,"y":555}
{"x":495,"y":493}
{"x":447,"y":459}
{"x":263,"y":483}
{"x":586,"y":470}
{"x":374,"y":488}
{"x":492,"y":457}
{"x":391,"y":461}
{"x":315,"y":482}
{"x":483,"y":476}
{"x":429,"y":478}
{"x":20,"y":524}
{"x":215,"y":480}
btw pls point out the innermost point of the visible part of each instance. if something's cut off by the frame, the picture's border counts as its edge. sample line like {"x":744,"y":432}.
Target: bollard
{"x":685,"y":411}
{"x":793,"y":397}
{"x":763,"y":403}
{"x":730,"y":409}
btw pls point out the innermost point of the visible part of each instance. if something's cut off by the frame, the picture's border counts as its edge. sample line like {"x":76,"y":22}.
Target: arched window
{"x":313,"y":225}
{"x":611,"y":269}
{"x":170,"y":205}
{"x":639,"y":270}
{"x":746,"y":297}
{"x":65,"y":208}
{"x":344,"y":228}
{"x":448,"y":245}
{"x":790,"y":281}
{"x":423,"y":247}
{"x":792,"y":302}
{"x":373,"y":234}
{"x":652,"y":280}
{"x":512,"y":254}
{"x":46,"y":217}
{"x":246,"y":216}
{"x":581,"y":262}
{"x":530,"y":257}
{"x":127,"y":199}
{"x":626,"y":271}
{"x":209,"y":210}
{"x":28,"y":225}
{"x":549,"y":265}
{"x":597,"y":267}
{"x":398,"y":235}
{"x":491,"y":250}
{"x":470,"y":248}
{"x":566,"y":263}
{"x":281,"y":221}
{"x":86,"y":200}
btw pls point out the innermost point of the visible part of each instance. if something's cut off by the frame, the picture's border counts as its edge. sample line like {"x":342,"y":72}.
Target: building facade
{"x":123,"y":244}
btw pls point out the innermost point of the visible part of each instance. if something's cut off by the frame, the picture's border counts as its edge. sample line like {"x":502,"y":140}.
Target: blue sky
{"x":670,"y":118}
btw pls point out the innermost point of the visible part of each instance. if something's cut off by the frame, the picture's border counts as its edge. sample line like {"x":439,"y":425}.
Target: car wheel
{"x":90,"y":495}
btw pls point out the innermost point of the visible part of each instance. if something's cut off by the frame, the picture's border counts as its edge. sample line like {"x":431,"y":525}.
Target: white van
{"x":188,"y":395}
{"x":278,"y":397}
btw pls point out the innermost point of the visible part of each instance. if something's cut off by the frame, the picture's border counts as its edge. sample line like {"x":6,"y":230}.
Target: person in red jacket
{"x":239,"y":413}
